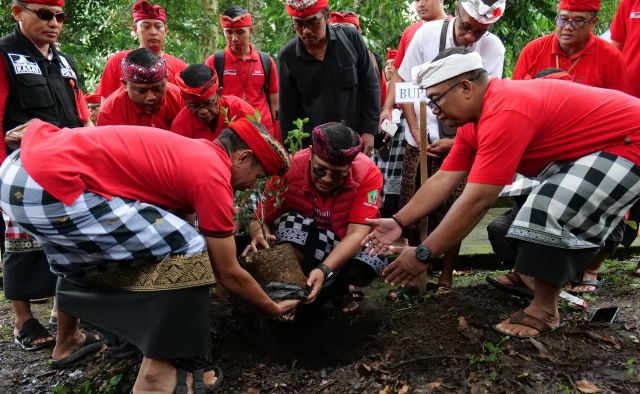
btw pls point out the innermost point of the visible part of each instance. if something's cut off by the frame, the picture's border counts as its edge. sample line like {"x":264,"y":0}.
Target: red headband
{"x":391,"y":54}
{"x":136,"y":73}
{"x":271,"y":155}
{"x":579,"y":5}
{"x":304,"y":8}
{"x":59,"y":3}
{"x":243,"y":20}
{"x":337,"y":157}
{"x":345,"y":17}
{"x":200,"y":93}
{"x":93,"y":98}
{"x":142,"y":9}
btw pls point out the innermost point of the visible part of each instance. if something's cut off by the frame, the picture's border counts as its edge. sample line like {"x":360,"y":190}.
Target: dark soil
{"x":388,"y":348}
{"x":276,"y":264}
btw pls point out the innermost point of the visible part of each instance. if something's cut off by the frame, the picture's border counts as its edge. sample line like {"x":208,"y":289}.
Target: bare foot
{"x":161,"y":377}
{"x":533,"y":322}
{"x":64,"y":347}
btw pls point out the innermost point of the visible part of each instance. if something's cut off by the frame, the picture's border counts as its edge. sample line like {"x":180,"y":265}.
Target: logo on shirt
{"x":66,"y":70}
{"x":257,"y":73}
{"x":372,"y":197}
{"x":22,"y":64}
{"x":229,"y":72}
{"x":634,"y":15}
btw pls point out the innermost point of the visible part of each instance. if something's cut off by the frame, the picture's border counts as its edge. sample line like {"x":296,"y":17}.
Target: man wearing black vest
{"x":36,"y":81}
{"x":326,"y":75}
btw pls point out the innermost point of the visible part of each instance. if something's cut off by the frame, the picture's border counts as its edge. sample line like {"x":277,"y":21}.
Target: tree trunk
{"x":209,"y":37}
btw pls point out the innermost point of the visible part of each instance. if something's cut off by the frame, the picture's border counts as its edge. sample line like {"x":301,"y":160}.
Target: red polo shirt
{"x":598,"y":64}
{"x":118,"y":109}
{"x":625,"y":29}
{"x":526,"y":125}
{"x":110,"y":80}
{"x":139,"y":163}
{"x":186,"y":124}
{"x":244,"y":78}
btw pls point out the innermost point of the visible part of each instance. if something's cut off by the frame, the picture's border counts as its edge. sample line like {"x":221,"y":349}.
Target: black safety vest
{"x":38,"y":87}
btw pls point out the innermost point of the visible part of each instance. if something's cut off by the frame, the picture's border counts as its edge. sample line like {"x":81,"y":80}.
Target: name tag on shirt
{"x":22,"y":64}
{"x":229,"y":72}
{"x":257,"y":73}
{"x":66,"y":70}
{"x":634,"y":15}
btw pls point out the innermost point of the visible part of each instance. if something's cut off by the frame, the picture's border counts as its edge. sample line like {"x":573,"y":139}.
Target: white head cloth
{"x":483,"y":13}
{"x":429,"y":74}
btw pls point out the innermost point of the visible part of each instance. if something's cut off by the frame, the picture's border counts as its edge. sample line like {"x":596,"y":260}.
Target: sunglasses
{"x":47,"y":15}
{"x":321,"y":171}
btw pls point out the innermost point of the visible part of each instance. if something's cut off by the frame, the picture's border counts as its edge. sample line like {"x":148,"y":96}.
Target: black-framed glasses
{"x":313,"y":25}
{"x":561,"y":22}
{"x":433,"y":104}
{"x":47,"y":15}
{"x":321,"y":171}
{"x":197,"y":106}
{"x":466,"y":28}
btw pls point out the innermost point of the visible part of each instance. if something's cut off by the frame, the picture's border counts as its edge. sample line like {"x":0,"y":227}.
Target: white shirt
{"x":424,"y":47}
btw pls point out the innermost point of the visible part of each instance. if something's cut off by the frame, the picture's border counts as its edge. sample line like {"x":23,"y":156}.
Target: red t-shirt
{"x":118,"y":109}
{"x":244,"y":78}
{"x":526,"y":125}
{"x":139,"y":163}
{"x":81,"y":104}
{"x":110,"y":80}
{"x":186,"y":124}
{"x":625,"y":29}
{"x":405,"y":40}
{"x":598,"y":64}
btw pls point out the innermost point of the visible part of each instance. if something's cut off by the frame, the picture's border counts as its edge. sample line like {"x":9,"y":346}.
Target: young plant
{"x":296,"y":136}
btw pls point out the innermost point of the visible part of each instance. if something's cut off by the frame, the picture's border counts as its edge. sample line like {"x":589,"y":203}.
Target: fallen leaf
{"x":544,"y":353}
{"x":385,"y":390}
{"x":253,"y":391}
{"x":585,"y":386}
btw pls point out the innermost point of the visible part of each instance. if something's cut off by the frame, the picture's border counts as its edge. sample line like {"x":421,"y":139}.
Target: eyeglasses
{"x":433,"y":104}
{"x":466,"y":28}
{"x":321,"y":171}
{"x":195,"y":107}
{"x":47,"y":15}
{"x":313,"y":25}
{"x":561,"y":22}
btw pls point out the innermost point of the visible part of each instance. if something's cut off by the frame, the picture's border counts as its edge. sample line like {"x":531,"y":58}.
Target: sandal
{"x":346,"y":304}
{"x":199,"y":387}
{"x":30,"y":332}
{"x":402,"y":293}
{"x":590,"y":282}
{"x":523,"y":319}
{"x":92,"y":344}
{"x":516,"y":288}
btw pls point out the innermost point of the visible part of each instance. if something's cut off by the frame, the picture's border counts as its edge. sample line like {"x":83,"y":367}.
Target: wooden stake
{"x":424,"y":175}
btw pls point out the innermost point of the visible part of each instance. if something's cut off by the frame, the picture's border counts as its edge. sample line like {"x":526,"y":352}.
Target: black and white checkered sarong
{"x":93,"y":235}
{"x":295,"y":228}
{"x":391,"y":169}
{"x":580,"y":205}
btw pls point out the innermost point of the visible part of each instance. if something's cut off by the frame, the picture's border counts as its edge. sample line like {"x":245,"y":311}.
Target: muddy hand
{"x":315,"y":282}
{"x":404,"y":268}
{"x":288,"y":308}
{"x":258,"y":241}
{"x":385,"y":232}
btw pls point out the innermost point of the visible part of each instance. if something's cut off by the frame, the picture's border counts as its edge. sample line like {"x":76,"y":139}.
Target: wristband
{"x":395,"y":218}
{"x":326,"y":271}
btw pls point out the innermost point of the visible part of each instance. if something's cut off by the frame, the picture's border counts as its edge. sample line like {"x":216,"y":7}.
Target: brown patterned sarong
{"x":170,"y":273}
{"x":411,"y":183}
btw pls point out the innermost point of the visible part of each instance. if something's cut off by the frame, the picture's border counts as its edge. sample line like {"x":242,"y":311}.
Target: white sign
{"x":406,"y":92}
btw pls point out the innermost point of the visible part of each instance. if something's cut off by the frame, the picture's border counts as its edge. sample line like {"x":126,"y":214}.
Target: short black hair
{"x":473,"y":75}
{"x":196,"y":75}
{"x":142,"y":57}
{"x":235,"y":11}
{"x":547,"y":71}
{"x":340,"y":136}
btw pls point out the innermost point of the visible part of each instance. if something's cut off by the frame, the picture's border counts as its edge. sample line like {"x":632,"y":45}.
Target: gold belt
{"x":21,"y":245}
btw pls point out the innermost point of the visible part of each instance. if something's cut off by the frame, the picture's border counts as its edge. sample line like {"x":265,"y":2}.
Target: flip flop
{"x":91,"y":345}
{"x":30,"y":332}
{"x":199,"y":387}
{"x":590,"y":282}
{"x":524,"y":319}
{"x":513,"y":289}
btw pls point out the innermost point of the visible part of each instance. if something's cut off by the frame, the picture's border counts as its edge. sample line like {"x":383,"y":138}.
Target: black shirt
{"x":342,"y":87}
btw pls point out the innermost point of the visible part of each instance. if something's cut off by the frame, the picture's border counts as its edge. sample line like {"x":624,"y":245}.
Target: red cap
{"x":59,"y":3}
{"x":142,"y":9}
{"x":336,"y":17}
{"x":243,"y":20}
{"x":93,"y":98}
{"x":304,"y":8}
{"x":579,"y":5}
{"x":391,"y":54}
{"x":200,"y":93}
{"x":272,"y":156}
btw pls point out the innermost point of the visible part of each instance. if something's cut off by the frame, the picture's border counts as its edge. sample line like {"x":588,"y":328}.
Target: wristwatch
{"x":326,"y":271}
{"x":423,"y":254}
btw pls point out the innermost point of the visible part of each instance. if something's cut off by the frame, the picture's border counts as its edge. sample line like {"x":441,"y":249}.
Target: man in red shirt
{"x":125,"y":263}
{"x":147,"y":98}
{"x":207,"y":111}
{"x":94,"y":102}
{"x":589,"y":59}
{"x":625,"y":35}
{"x":244,"y":69}
{"x":320,"y":207}
{"x":594,"y":133}
{"x":150,"y":25}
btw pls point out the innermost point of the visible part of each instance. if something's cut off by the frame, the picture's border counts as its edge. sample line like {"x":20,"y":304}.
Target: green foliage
{"x":296,"y":136}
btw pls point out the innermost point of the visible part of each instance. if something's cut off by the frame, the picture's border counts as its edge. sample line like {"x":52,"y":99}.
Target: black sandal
{"x":199,"y":387}
{"x":30,"y":332}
